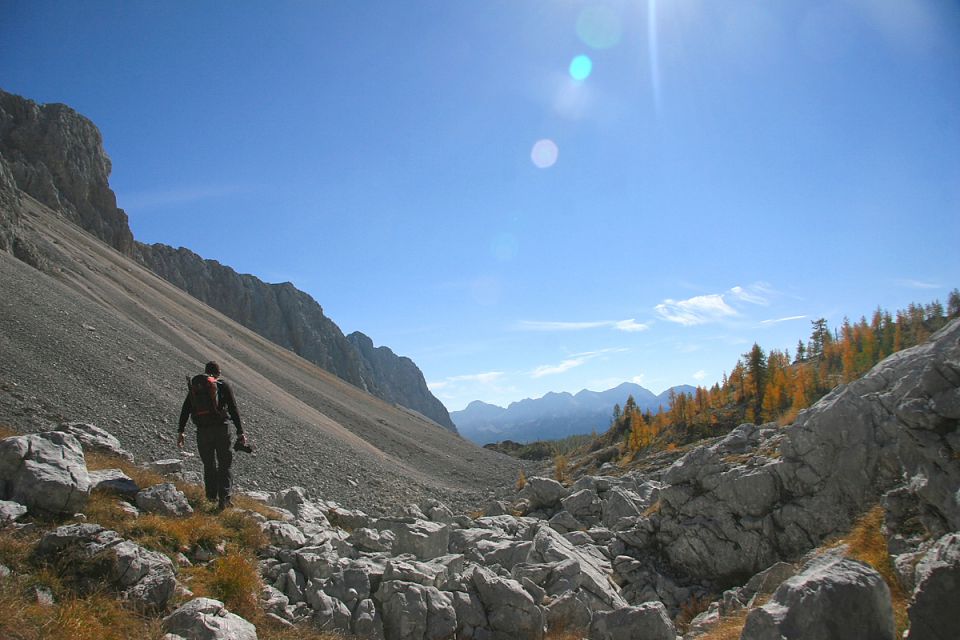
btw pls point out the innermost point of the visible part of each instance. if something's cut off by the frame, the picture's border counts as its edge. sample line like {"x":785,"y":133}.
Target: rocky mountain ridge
{"x":56,"y":156}
{"x":554,"y":415}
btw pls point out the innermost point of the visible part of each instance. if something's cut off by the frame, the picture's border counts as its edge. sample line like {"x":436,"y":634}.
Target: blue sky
{"x":532,"y":196}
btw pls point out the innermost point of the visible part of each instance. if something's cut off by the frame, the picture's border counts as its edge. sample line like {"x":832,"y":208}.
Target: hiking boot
{"x":224,"y":504}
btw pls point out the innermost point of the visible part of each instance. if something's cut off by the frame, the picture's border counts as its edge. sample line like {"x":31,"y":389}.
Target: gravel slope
{"x":97,"y":338}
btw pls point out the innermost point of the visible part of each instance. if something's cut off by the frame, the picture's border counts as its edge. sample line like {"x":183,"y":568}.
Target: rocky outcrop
{"x":91,"y":553}
{"x":726,"y":515}
{"x":56,"y":156}
{"x":932,"y":613}
{"x":397,"y":379}
{"x":45,"y":472}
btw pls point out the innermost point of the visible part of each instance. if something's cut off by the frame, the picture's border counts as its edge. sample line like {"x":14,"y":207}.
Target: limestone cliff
{"x":397,"y":379}
{"x":279,"y":312}
{"x":56,"y":156}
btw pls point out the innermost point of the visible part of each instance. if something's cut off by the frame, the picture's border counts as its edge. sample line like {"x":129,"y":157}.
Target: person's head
{"x":212,"y":369}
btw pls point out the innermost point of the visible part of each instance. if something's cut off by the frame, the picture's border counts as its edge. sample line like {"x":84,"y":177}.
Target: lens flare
{"x":544,"y":153}
{"x":599,"y":27}
{"x":580,"y":67}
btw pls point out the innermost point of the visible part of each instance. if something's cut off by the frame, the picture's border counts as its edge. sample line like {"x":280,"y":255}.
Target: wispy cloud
{"x":175,"y":196}
{"x":778,"y":320}
{"x":753,"y":295}
{"x":700,"y":375}
{"x":630,"y":325}
{"x":712,"y":307}
{"x":695,"y":310}
{"x":566,"y":365}
{"x":574,"y":361}
{"x":916,"y":284}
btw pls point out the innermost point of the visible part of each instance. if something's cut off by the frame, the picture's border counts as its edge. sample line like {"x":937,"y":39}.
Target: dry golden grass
{"x":521,"y":480}
{"x":7,"y":431}
{"x":563,"y":633}
{"x":867,"y":543}
{"x":652,"y":509}
{"x":15,"y":549}
{"x":233,"y":579}
{"x":690,"y":610}
{"x":561,"y":467}
{"x":94,"y":617}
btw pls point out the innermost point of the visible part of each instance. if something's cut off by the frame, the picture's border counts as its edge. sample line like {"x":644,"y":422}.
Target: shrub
{"x":521,"y":480}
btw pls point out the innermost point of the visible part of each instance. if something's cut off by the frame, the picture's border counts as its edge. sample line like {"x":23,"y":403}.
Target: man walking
{"x":208,"y":403}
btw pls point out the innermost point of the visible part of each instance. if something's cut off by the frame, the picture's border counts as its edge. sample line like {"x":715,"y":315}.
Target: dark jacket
{"x":224,"y":401}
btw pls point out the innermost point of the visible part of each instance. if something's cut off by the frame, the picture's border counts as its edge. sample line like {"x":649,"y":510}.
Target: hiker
{"x":208,"y":402}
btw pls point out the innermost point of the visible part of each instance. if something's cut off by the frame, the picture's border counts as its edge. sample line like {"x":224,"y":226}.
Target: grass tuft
{"x":233,"y":579}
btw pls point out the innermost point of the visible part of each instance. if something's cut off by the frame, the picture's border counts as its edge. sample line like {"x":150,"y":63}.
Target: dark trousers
{"x":214,"y":445}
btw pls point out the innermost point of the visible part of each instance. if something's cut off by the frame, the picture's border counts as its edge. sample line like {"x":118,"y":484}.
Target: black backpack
{"x":205,"y":397}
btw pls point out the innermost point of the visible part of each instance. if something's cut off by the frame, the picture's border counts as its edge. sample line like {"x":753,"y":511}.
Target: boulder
{"x":164,"y":499}
{"x":367,"y":622}
{"x":584,"y":504}
{"x":832,"y":597}
{"x":283,"y":534}
{"x":415,"y":612}
{"x":93,"y":438}
{"x":542,"y":492}
{"x":620,"y":503}
{"x":115,"y":481}
{"x":511,"y":612}
{"x":11,"y":512}
{"x":296,"y":502}
{"x":144,"y":577}
{"x":937,"y":576}
{"x":371,"y":540}
{"x":471,"y":618}
{"x":591,"y":569}
{"x":208,"y":619}
{"x":421,"y":538}
{"x":649,"y":621}
{"x":564,"y":522}
{"x":569,"y":612}
{"x":45,"y":472}
{"x":329,"y":613}
{"x":166,"y":467}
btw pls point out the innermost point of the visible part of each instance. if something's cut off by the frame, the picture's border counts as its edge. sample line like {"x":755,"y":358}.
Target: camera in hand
{"x":240,"y":446}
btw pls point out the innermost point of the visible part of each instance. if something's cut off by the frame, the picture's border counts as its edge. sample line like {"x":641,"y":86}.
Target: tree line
{"x":768,"y":386}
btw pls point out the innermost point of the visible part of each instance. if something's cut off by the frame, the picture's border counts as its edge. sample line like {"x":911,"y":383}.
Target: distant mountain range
{"x":555,"y":415}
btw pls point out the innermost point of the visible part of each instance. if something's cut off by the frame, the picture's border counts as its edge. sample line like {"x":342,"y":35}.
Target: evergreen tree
{"x":953,"y":304}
